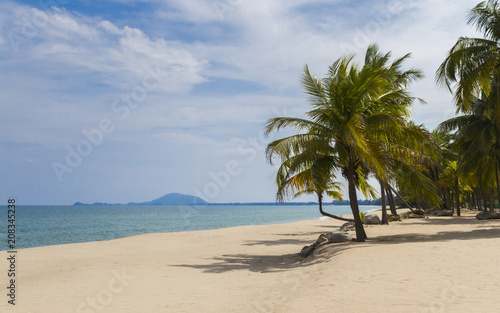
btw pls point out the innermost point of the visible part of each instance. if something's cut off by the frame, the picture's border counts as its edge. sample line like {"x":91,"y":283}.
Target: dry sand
{"x":419,"y":265}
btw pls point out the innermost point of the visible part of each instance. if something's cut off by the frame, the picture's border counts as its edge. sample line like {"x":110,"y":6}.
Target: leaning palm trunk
{"x":400,"y":197}
{"x":392,"y":205}
{"x":320,"y":200}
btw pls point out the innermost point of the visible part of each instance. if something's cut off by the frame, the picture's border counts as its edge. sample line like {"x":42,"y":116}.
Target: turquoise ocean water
{"x":38,"y":226}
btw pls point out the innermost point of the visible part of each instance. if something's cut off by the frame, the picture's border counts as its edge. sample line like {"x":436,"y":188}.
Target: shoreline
{"x":124,"y":233}
{"x":447,"y":261}
{"x":322,"y":218}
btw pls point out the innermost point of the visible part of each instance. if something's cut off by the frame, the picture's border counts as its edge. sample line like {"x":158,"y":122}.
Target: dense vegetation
{"x":359,"y":127}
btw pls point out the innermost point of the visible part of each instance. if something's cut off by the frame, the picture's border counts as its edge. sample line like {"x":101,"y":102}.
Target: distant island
{"x":169,"y":199}
{"x":180,"y":199}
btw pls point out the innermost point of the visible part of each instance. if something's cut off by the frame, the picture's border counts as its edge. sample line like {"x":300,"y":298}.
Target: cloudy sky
{"x":127,"y":100}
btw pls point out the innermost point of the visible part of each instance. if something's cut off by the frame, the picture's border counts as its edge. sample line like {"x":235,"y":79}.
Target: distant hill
{"x":169,"y":199}
{"x":180,"y":199}
{"x":175,"y":199}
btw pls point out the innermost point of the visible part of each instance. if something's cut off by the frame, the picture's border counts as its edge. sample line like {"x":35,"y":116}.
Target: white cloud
{"x":277,"y":41}
{"x":194,"y":10}
{"x":66,"y":76}
{"x":121,"y":56}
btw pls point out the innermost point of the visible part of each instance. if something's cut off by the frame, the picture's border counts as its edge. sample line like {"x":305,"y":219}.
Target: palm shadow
{"x":439,"y":237}
{"x":278,"y":242}
{"x":252,"y":263}
{"x":280,"y":263}
{"x":483,"y":230}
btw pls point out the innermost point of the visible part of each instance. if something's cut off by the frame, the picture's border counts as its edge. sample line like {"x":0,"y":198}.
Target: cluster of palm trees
{"x":359,"y":127}
{"x":472,"y":70}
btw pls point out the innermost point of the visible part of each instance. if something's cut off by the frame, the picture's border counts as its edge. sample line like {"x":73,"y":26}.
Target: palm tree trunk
{"x":444,"y":204}
{"x":392,"y":205}
{"x":490,"y":196}
{"x":452,"y":199}
{"x":385,"y":219}
{"x":457,"y":195}
{"x":358,"y":224}
{"x":320,"y":200}
{"x":475,"y":201}
{"x":448,"y":200}
{"x":438,"y":187}
{"x":485,"y":202}
{"x":496,"y":172}
{"x":440,"y":192}
{"x":402,"y":199}
{"x":478,"y":200}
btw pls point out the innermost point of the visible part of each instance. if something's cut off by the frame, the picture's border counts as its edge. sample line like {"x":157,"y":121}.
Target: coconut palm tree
{"x":473,"y":65}
{"x":410,"y":152}
{"x":451,"y":176}
{"x":473,"y":62}
{"x":477,"y":140}
{"x":355,"y":109}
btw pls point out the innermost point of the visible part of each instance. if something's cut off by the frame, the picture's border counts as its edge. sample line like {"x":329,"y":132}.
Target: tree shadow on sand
{"x":279,"y":242}
{"x":439,"y":237}
{"x":265,"y":263}
{"x":482,"y":230}
{"x":253,"y":263}
{"x":281,"y":263}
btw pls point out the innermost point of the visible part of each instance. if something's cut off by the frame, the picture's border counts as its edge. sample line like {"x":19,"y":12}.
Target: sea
{"x":37,"y":226}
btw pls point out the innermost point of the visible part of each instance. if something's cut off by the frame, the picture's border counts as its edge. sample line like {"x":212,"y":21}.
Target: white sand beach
{"x":439,"y":264}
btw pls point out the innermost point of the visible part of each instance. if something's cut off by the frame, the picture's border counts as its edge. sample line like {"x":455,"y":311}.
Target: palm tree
{"x":355,"y":110}
{"x":477,"y":139}
{"x":444,"y":141}
{"x":452,"y":174}
{"x":409,"y":153}
{"x":473,"y":62}
{"x":310,"y":172}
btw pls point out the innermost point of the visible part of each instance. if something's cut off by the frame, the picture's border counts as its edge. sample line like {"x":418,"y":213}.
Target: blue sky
{"x":119,"y":101}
